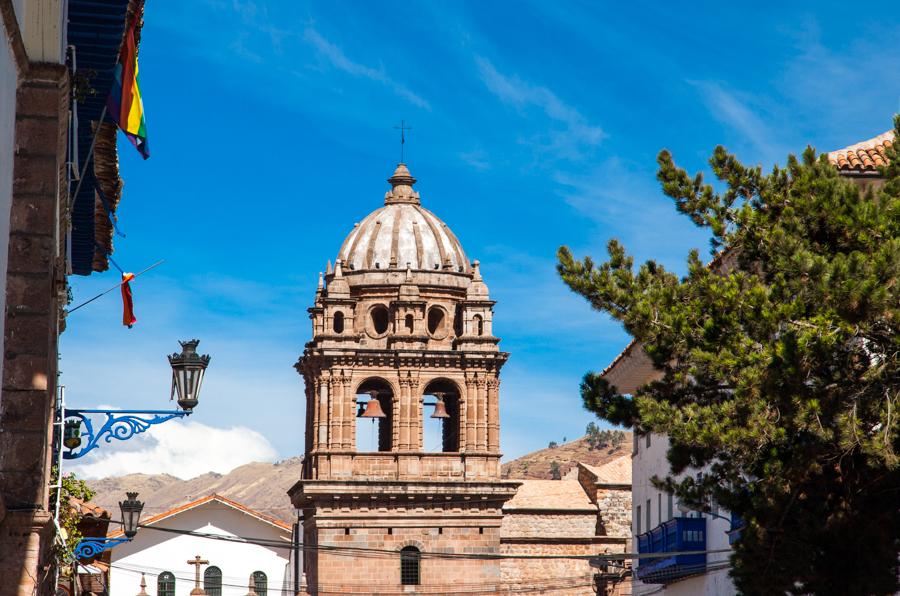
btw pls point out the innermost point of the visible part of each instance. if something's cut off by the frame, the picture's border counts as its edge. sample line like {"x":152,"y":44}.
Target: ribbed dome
{"x":401,"y":234}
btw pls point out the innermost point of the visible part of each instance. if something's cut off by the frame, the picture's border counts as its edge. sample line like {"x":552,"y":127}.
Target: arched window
{"x":478,"y":325}
{"x":260,"y":583}
{"x":212,"y":581}
{"x":380,"y":319}
{"x":338,"y":323}
{"x":410,"y":558}
{"x":437,"y":322}
{"x":410,"y":324}
{"x":165,"y":584}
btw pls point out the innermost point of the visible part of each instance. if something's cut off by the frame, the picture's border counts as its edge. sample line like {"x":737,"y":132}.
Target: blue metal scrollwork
{"x":119,"y":424}
{"x":91,"y":547}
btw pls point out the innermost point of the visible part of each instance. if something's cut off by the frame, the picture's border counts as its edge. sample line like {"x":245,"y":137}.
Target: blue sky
{"x":535,"y":124}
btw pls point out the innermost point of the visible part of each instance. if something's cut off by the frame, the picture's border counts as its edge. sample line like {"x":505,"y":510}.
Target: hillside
{"x":263,"y":486}
{"x":538,"y":464}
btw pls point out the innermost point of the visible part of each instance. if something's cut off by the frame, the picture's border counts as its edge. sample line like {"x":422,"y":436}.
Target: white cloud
{"x":737,"y":111}
{"x":339,"y":60}
{"x":579,"y":134}
{"x":181,"y":448}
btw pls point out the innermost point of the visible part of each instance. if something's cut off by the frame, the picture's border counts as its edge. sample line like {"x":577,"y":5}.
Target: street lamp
{"x":131,"y":513}
{"x":187,"y":376}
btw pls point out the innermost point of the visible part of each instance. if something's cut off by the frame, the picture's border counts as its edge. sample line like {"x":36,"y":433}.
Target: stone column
{"x":481,"y":425}
{"x":415,"y":416}
{"x":336,"y":423}
{"x":493,"y":408}
{"x":349,"y":420}
{"x":322,"y":418}
{"x":471,"y":415}
{"x":405,"y":407}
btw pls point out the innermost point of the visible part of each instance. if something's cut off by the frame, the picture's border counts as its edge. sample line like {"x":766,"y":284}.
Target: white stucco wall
{"x":651,"y":461}
{"x":153,"y":551}
{"x":8,"y":84}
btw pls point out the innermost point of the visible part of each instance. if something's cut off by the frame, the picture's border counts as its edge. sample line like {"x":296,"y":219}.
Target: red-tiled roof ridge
{"x":202,"y":501}
{"x":865,"y":156}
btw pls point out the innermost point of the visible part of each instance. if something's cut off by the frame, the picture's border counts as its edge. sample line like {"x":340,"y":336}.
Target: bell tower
{"x":401,"y":337}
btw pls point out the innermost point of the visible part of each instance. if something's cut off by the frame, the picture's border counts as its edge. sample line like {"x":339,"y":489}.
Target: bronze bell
{"x":440,"y":408}
{"x":373,"y":407}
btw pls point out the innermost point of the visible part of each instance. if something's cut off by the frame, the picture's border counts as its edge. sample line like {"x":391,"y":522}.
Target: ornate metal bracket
{"x":91,"y":547}
{"x":119,"y":424}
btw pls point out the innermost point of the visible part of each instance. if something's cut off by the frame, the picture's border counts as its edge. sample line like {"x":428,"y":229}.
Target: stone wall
{"x":34,"y":276}
{"x":376,"y":569}
{"x":615,"y":510}
{"x":543,"y":524}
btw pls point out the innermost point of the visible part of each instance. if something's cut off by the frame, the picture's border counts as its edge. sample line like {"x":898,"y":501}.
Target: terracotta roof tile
{"x":550,"y":494}
{"x":213,"y":497}
{"x":863,"y":157}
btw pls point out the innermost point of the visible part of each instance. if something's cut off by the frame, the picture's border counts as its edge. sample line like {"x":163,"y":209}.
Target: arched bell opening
{"x":374,"y":416}
{"x":441,"y":422}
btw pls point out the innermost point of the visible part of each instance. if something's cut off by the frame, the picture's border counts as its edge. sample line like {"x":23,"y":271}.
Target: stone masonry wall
{"x":615,"y":511}
{"x":545,"y":525}
{"x":31,"y":317}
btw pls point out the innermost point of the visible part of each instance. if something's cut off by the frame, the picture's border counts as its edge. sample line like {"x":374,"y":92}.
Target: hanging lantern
{"x":131,"y":513}
{"x":72,"y":433}
{"x":187,"y":374}
{"x":373,"y":406}
{"x":440,"y":408}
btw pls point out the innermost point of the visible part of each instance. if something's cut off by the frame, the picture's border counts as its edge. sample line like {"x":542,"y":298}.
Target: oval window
{"x":380,"y":318}
{"x":437,"y":320}
{"x":338,"y":322}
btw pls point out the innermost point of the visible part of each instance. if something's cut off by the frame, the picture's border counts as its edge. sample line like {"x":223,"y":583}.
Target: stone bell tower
{"x":401,"y":338}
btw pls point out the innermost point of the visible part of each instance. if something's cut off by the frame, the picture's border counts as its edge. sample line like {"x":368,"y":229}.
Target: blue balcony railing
{"x":681,"y":534}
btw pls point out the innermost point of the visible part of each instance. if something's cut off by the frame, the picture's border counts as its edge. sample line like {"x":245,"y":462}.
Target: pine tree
{"x":780,"y":366}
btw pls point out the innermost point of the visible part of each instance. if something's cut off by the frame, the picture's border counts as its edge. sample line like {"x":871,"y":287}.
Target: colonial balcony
{"x":404,"y":466}
{"x":678,"y":535}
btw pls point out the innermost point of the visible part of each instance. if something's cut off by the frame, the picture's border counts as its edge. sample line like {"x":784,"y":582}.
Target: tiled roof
{"x":213,"y":497}
{"x":617,"y":471}
{"x":864,"y":157}
{"x":550,"y":494}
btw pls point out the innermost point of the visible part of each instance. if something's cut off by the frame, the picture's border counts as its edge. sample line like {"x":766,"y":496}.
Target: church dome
{"x":402,"y":234}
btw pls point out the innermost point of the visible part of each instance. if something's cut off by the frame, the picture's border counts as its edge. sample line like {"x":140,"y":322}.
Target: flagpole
{"x":105,"y":292}
{"x":89,"y":156}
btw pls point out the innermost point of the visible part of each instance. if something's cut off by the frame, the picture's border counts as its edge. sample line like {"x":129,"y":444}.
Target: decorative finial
{"x":402,"y":187}
{"x":321,"y":282}
{"x":408,"y":272}
{"x":338,"y":269}
{"x":476,"y":271}
{"x":143,"y":591}
{"x":328,"y":268}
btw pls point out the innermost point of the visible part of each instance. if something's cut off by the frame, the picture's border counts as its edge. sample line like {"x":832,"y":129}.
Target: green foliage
{"x":555,"y":472}
{"x":779,"y":366}
{"x":598,"y":439}
{"x":552,"y":445}
{"x":69,"y":518}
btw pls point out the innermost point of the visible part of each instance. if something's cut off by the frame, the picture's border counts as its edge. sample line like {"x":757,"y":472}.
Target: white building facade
{"x":236,"y":541}
{"x":659,"y":525}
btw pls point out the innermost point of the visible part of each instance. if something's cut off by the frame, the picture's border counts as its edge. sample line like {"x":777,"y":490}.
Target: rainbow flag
{"x":124,"y":101}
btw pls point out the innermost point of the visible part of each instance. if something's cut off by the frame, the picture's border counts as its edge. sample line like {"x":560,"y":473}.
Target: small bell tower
{"x":402,"y":337}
